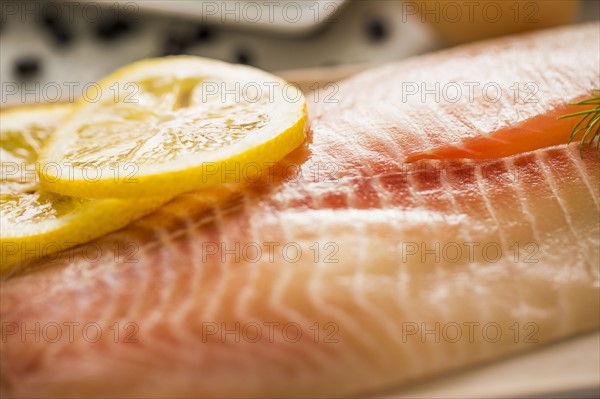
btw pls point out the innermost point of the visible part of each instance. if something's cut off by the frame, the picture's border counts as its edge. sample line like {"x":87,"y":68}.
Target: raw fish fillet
{"x":347,"y":271}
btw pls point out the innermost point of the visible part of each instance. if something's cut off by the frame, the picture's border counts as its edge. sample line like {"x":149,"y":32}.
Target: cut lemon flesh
{"x":171,"y":125}
{"x":35,"y":223}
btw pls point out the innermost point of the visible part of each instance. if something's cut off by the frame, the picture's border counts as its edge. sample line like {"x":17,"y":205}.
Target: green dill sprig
{"x":589,"y":119}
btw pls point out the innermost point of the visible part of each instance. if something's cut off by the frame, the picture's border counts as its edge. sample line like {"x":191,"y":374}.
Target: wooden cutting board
{"x":570,"y":368}
{"x":310,"y":79}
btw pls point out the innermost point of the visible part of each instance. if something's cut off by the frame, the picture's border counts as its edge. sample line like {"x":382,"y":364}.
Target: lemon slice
{"x":35,"y":223}
{"x":171,"y":125}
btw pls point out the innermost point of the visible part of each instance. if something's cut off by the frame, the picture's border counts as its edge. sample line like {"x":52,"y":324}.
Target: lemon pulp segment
{"x":35,"y":223}
{"x":171,"y":125}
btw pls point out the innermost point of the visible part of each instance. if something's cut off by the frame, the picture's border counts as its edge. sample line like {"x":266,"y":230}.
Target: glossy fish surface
{"x":346,"y":270}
